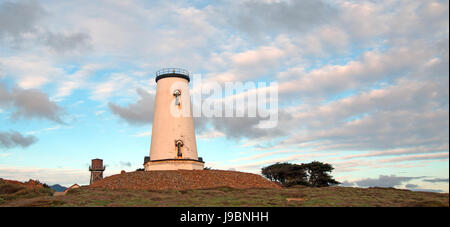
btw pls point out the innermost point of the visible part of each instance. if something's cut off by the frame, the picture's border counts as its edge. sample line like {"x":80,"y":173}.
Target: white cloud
{"x":43,"y":130}
{"x":30,"y":71}
{"x":50,"y":176}
{"x":256,"y":166}
{"x":370,"y":68}
{"x":100,"y":112}
{"x":76,"y":80}
{"x":417,"y":157}
{"x":116,"y":82}
{"x":143,"y":134}
{"x":362,"y":79}
{"x":210,"y":135}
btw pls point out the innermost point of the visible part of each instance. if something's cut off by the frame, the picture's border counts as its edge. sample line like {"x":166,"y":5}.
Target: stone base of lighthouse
{"x":174,"y":164}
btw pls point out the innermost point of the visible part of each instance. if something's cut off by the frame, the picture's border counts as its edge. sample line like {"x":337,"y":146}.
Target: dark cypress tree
{"x":319,"y":174}
{"x":285,"y":173}
{"x":314,"y":174}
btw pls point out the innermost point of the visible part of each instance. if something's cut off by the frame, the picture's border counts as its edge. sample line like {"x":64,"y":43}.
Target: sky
{"x":362,"y":85}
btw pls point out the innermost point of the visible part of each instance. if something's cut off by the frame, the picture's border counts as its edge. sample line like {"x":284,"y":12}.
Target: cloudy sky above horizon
{"x":363,"y":85}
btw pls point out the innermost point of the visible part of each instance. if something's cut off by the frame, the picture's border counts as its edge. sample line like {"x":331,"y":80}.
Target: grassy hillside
{"x":13,"y":192}
{"x":297,"y":196}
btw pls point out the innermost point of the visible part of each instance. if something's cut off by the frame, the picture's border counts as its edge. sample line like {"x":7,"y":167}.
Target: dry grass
{"x":309,"y":197}
{"x":11,"y":193}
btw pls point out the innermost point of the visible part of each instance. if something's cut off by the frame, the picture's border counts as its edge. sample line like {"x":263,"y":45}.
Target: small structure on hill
{"x":96,"y":169}
{"x":71,"y":187}
{"x":173,"y":144}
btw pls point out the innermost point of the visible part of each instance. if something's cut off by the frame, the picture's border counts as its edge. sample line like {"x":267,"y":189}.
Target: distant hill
{"x":58,"y":188}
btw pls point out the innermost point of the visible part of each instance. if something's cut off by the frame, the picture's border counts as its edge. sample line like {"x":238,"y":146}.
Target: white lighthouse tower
{"x":173,"y":144}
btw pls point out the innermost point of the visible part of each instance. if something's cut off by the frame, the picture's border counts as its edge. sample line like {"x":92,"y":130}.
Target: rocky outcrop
{"x":183,"y":180}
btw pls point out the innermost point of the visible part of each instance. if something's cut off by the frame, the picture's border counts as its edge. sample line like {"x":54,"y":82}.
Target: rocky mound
{"x":183,"y":180}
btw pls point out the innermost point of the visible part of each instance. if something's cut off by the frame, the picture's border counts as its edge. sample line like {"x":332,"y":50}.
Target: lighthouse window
{"x":177,"y":94}
{"x":179,"y":144}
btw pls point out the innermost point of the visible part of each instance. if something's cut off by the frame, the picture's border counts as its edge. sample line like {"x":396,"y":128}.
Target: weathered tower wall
{"x":96,"y":169}
{"x":173,"y":143}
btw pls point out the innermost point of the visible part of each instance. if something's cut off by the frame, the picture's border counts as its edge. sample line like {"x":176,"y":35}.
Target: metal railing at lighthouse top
{"x":172,"y":71}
